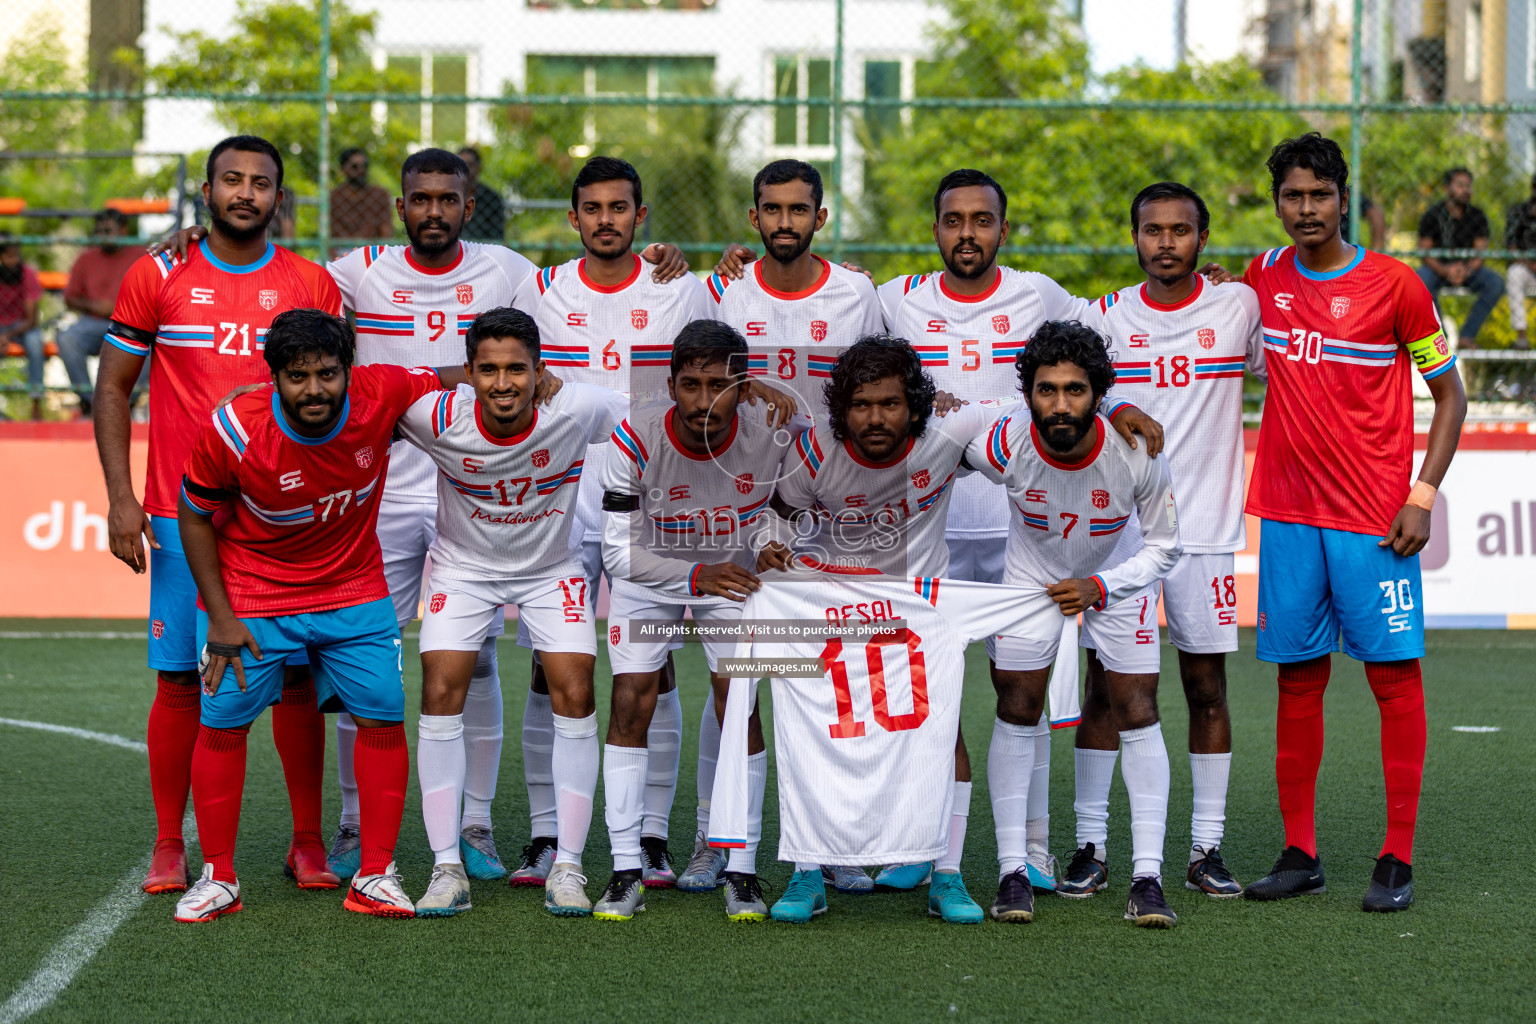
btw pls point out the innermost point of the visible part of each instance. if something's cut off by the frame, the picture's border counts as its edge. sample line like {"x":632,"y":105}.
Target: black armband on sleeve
{"x":617,"y":501}
{"x":206,"y":493}
{"x":132,"y":334}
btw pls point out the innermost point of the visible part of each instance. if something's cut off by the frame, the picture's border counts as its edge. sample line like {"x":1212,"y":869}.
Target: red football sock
{"x":1399,"y":690}
{"x":298,"y":730}
{"x":383,"y":763}
{"x":172,"y":733}
{"x":218,"y":764}
{"x":1299,"y":748}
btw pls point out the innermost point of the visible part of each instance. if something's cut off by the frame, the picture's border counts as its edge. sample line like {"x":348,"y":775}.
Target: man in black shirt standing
{"x":1455,"y":223}
{"x":489,"y":221}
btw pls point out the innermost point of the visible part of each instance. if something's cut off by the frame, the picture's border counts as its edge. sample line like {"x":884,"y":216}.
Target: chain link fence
{"x":107,"y":104}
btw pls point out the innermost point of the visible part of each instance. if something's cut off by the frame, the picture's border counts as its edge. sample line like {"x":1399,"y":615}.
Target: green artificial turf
{"x":77,"y":816}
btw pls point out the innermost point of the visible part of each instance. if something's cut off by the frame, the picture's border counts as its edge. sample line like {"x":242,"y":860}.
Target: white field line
{"x":76,"y":949}
{"x":36,"y":635}
{"x":1475,"y":728}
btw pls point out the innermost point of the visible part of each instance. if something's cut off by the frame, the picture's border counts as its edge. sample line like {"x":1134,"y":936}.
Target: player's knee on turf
{"x":1205,"y":685}
{"x":1020,"y":695}
{"x":569,"y":675}
{"x":1133,"y":699}
{"x":445,"y":677}
{"x":634,"y":703}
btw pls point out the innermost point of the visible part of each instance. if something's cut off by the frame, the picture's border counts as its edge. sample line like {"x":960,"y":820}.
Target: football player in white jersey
{"x":878,"y":482}
{"x":686,"y":491}
{"x":797,"y":311}
{"x":968,"y":323}
{"x":1180,"y":347}
{"x":507,"y":473}
{"x":1074,"y":484}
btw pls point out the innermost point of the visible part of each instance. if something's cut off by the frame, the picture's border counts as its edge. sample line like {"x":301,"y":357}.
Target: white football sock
{"x":1209,"y":773}
{"x":538,"y":746}
{"x":440,"y":769}
{"x":664,"y":739}
{"x":1144,"y":767}
{"x":482,"y":737}
{"x":1095,"y":771}
{"x":744,"y":860}
{"x":573,"y":765}
{"x":709,"y":753}
{"x":624,"y":771}
{"x":1010,"y":762}
{"x":346,"y":736}
{"x":1037,"y":827}
{"x":803,"y":866}
{"x":959,"y":815}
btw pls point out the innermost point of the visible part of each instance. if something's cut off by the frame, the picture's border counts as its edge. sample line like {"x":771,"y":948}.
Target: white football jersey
{"x":1183,"y":366}
{"x":504,"y":505}
{"x":795,"y":337}
{"x":684,"y":511}
{"x":865,"y":752}
{"x":1068,"y":519}
{"x":969,"y":344}
{"x":617,"y":336}
{"x":886,"y":516}
{"x":411,"y":315}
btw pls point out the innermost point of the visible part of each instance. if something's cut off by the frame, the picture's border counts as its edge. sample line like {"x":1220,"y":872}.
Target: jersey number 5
{"x":847,"y":726}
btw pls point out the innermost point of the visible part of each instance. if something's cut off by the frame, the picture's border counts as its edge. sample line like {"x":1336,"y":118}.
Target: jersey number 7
{"x":847,"y":726}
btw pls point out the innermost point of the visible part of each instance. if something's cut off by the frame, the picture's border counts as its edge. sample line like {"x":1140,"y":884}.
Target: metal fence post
{"x":1356,"y":119}
{"x":837,"y":138}
{"x":323,"y":172}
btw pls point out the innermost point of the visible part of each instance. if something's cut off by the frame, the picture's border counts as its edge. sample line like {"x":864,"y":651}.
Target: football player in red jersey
{"x":293,"y":473}
{"x":1342,"y":527}
{"x":205,"y":317}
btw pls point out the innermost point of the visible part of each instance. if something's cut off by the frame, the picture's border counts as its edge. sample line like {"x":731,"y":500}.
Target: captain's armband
{"x":618,"y":501}
{"x":1432,"y":355}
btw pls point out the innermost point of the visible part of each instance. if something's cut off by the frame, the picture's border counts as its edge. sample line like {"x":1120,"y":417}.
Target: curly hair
{"x":295,"y":333}
{"x":1067,"y":341}
{"x":502,"y":322}
{"x":876,"y":357}
{"x":1312,"y":152}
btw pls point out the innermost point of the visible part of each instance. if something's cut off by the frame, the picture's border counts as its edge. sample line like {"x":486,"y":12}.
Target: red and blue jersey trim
{"x":471,"y":490}
{"x":717,"y":286}
{"x":628,"y":442}
{"x":1105,"y":527}
{"x":551,"y":484}
{"x":810,"y":452}
{"x":693,"y":579}
{"x":442,"y":413}
{"x":1034,"y":519}
{"x":650,"y":355}
{"x":998,"y":452}
{"x":1218,"y":368}
{"x":1133,"y":373}
{"x":201,"y":506}
{"x":465,"y":319}
{"x":388,"y":325}
{"x":133,"y":348}
{"x":911,"y":281}
{"x":1272,"y":257}
{"x":1007,"y":351}
{"x":1098,"y":581}
{"x":749,"y":513}
{"x":932,"y":355}
{"x":545,"y":278}
{"x":927,"y":588}
{"x":566,"y":355}
{"x":286,"y":517}
{"x":371,"y":253}
{"x":231,"y":431}
{"x":757,"y":364}
{"x":926,"y":502}
{"x":819,"y":365}
{"x":1105,"y":302}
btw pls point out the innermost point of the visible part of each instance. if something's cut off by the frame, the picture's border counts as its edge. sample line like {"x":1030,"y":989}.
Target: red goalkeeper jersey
{"x":299,"y":533}
{"x":1336,"y":441}
{"x":206,"y":322}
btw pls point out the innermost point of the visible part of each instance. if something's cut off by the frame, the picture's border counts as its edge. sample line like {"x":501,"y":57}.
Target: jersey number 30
{"x":848,"y":727}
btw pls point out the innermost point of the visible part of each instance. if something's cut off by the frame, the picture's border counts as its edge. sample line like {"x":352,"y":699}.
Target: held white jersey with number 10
{"x":866,"y":752}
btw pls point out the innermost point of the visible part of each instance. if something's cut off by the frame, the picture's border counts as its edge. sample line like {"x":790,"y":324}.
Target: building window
{"x":651,"y":77}
{"x":882,"y":80}
{"x":802,"y":125}
{"x":431,"y":74}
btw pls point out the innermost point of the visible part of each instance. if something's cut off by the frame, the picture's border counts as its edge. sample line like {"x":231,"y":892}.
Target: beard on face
{"x":1062,"y":433}
{"x":235,"y":232}
{"x":982,"y":265}
{"x":612,"y":246}
{"x":782,"y":249}
{"x":430,"y":250}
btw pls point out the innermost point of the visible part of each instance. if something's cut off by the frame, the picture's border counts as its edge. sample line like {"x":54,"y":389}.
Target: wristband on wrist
{"x":1422,"y":496}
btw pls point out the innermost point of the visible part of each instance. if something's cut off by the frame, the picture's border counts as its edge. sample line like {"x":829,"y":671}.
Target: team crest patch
{"x":157,"y":628}
{"x":540,"y":458}
{"x":1340,"y":306}
{"x":1206,"y":336}
{"x":364,"y":457}
{"x":920,"y":479}
{"x":267,"y":297}
{"x":744,"y":483}
{"x":437,"y":602}
{"x":818,"y":330}
{"x":1263,"y":621}
{"x":1000,"y":323}
{"x":465,"y":293}
{"x":613,"y":635}
{"x":1440,"y":345}
{"x":638,"y":318}
{"x":1101,"y":499}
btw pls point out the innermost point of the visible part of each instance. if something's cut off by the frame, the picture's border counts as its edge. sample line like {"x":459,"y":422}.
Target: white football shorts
{"x":628,"y":653}
{"x":557,"y":612}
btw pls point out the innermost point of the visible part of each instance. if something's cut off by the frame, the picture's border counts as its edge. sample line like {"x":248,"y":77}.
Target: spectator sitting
{"x":92,"y":292}
{"x":19,"y":292}
{"x":1520,"y":233}
{"x":488,"y":222}
{"x":1455,"y":223}
{"x":359,"y":209}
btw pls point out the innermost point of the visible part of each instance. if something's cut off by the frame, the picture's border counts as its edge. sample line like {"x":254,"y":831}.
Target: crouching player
{"x":506,"y":489}
{"x":684,"y":493}
{"x":293,"y":563}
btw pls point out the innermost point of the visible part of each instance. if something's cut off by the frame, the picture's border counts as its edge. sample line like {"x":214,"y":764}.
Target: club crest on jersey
{"x":1340,"y":306}
{"x":638,"y":318}
{"x":1100,"y":499}
{"x":465,"y":293}
{"x":1000,"y":323}
{"x":1263,"y":621}
{"x":920,"y":479}
{"x":1206,"y":336}
{"x":540,"y":458}
{"x":744,"y":483}
{"x":818,"y":330}
{"x":364,"y":456}
{"x":437,"y":602}
{"x":1441,"y":346}
{"x":267,"y":297}
{"x":158,"y":628}
{"x":613,"y":635}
